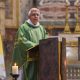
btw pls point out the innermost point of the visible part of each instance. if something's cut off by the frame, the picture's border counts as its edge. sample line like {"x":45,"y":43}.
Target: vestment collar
{"x":29,"y":21}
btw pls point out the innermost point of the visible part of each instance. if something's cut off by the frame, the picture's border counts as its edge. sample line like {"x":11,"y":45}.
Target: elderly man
{"x":28,"y":36}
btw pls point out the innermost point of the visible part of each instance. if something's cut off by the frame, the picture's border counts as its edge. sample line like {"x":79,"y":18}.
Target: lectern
{"x":46,"y":53}
{"x":48,"y":59}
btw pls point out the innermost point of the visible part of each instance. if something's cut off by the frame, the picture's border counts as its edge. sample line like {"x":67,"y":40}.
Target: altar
{"x":72,"y":55}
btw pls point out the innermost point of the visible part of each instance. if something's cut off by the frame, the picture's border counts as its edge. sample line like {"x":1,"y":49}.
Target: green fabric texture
{"x":27,"y":37}
{"x":30,"y":70}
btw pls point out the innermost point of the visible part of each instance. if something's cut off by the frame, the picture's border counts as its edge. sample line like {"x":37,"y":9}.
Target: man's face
{"x":34,"y":16}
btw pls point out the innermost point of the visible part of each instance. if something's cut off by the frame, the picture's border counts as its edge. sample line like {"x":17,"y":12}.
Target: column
{"x":2,"y":17}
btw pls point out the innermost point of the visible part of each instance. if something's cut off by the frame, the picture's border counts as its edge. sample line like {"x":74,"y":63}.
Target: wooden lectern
{"x":48,"y":59}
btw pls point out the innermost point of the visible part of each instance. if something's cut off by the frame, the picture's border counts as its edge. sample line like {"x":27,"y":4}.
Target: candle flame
{"x":14,"y":64}
{"x":65,"y":63}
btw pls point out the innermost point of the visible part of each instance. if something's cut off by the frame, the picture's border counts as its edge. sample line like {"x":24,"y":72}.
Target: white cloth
{"x":29,"y":21}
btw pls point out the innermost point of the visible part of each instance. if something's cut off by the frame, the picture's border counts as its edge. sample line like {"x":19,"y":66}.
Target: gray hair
{"x":33,"y":9}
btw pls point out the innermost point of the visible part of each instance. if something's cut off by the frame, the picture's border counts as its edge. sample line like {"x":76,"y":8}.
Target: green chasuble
{"x":27,"y":36}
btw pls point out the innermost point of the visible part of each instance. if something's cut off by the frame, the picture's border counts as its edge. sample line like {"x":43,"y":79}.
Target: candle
{"x":15,"y":69}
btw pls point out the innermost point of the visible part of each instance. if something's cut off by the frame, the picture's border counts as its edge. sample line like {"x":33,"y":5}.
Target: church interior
{"x":61,"y":19}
